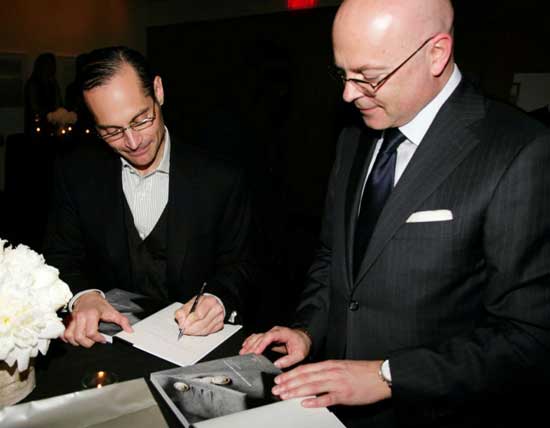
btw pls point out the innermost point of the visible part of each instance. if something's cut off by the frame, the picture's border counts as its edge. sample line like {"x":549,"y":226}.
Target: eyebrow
{"x":364,"y":68}
{"x":361,"y":69}
{"x":131,"y":121}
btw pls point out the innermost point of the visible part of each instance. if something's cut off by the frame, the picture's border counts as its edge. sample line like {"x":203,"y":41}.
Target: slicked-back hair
{"x":101,"y":65}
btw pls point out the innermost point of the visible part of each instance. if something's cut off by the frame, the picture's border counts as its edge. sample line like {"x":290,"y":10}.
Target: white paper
{"x":158,"y":335}
{"x":288,"y":414}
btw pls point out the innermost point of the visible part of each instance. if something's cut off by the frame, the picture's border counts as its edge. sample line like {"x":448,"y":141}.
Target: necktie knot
{"x":392,"y":138}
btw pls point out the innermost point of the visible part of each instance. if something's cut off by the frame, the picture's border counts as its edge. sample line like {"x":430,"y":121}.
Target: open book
{"x":234,"y":392}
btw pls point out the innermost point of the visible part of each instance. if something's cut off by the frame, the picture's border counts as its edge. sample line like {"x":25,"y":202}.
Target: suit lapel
{"x":180,"y":196}
{"x":448,"y":141}
{"x":112,"y":200}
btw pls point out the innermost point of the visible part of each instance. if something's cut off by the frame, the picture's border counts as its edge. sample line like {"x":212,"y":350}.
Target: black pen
{"x":193,"y":306}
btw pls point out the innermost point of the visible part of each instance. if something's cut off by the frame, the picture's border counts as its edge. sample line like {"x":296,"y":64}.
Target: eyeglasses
{"x":370,"y":88}
{"x":134,"y":126}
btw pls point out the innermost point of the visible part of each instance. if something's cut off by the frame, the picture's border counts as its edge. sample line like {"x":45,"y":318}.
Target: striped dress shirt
{"x":147,"y":195}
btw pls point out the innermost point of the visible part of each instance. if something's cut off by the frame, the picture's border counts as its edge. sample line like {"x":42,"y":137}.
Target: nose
{"x":133,"y":138}
{"x":351,"y":92}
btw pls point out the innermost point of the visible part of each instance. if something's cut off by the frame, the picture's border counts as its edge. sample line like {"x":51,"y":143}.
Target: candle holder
{"x":99,"y":379}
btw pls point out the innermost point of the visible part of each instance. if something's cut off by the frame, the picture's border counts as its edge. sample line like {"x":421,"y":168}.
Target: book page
{"x":158,"y":335}
{"x":288,"y":414}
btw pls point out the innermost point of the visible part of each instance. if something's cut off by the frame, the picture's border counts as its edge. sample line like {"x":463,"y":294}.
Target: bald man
{"x":429,"y":297}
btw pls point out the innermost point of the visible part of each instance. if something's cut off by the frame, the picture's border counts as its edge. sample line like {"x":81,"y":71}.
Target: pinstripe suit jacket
{"x":461,"y":308}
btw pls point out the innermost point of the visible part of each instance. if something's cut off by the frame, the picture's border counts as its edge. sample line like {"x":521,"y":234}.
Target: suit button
{"x":353,"y":305}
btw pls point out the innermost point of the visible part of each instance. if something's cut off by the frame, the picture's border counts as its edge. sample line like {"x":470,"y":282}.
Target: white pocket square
{"x":428,"y":216}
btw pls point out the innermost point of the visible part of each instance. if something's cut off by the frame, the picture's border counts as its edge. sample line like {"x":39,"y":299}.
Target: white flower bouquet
{"x":30,"y":294}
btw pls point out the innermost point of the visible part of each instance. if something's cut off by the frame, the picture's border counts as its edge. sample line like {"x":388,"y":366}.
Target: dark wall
{"x":255,"y":88}
{"x":494,"y":40}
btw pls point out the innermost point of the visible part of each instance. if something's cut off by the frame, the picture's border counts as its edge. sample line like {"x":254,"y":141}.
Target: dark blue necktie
{"x":377,"y":190}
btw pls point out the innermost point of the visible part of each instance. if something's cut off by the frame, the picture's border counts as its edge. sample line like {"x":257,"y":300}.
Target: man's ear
{"x":159,"y":90}
{"x":440,"y":53}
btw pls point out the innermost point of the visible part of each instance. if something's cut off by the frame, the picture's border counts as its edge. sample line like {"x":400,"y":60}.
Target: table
{"x":60,"y":371}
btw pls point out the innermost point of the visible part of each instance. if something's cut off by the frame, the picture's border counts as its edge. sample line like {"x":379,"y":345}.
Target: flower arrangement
{"x":30,"y":294}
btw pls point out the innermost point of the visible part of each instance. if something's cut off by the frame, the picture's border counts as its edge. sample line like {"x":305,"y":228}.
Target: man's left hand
{"x":206,"y":319}
{"x":334,"y":382}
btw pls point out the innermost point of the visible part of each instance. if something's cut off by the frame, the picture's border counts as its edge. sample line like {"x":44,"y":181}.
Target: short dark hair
{"x":102,"y":64}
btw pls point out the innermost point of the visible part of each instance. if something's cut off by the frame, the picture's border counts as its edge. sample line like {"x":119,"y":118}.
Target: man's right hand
{"x":88,"y":310}
{"x":295,"y":343}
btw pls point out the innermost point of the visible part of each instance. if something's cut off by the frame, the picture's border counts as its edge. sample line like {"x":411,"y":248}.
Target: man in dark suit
{"x":430,"y":292}
{"x":145,"y":212}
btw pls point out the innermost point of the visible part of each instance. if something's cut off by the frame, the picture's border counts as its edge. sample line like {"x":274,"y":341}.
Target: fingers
{"x":320,"y":379}
{"x":275,"y":335}
{"x":116,"y":317}
{"x":180,"y":315}
{"x":292,"y":342}
{"x":246,"y":346}
{"x":82,"y":330}
{"x":83,"y":326}
{"x":206,"y":319}
{"x":289,"y":360}
{"x":324,"y":400}
{"x":216,"y":324}
{"x":257,"y":343}
{"x":306,"y":370}
{"x":250,"y":345}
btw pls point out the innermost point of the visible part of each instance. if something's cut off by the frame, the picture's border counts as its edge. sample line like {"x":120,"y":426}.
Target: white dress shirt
{"x":417,"y":128}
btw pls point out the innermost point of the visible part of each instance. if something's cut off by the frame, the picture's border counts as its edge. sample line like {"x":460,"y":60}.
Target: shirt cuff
{"x":386,"y":370}
{"x":80,"y":294}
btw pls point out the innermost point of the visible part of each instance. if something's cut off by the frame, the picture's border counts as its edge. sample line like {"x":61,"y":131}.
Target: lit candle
{"x":98,"y":379}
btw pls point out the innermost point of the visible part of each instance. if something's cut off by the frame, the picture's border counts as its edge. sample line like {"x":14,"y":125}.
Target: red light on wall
{"x":300,"y":4}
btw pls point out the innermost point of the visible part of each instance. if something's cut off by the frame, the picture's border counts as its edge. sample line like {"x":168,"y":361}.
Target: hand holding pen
{"x":193,"y":306}
{"x":202,"y":315}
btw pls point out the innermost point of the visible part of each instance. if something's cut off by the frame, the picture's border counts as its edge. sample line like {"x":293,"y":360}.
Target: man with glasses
{"x":144,"y":212}
{"x":429,"y":297}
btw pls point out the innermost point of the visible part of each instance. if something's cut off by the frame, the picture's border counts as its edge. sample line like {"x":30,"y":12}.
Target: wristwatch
{"x":384,"y":372}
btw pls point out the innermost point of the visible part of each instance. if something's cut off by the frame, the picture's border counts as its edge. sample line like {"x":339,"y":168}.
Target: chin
{"x":376,"y":123}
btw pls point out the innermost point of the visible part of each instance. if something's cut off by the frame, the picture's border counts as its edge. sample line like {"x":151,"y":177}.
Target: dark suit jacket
{"x":208,"y":225}
{"x":460,"y":308}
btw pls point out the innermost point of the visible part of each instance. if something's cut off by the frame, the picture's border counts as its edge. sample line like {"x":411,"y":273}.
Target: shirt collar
{"x":417,"y":128}
{"x":164,"y":165}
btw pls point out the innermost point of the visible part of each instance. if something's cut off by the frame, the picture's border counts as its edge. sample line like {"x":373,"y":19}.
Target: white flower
{"x":30,"y":294}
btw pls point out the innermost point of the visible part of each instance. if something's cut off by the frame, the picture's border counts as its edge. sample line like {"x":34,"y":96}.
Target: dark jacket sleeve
{"x":313,"y":310}
{"x":64,"y":246}
{"x":233,"y":274}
